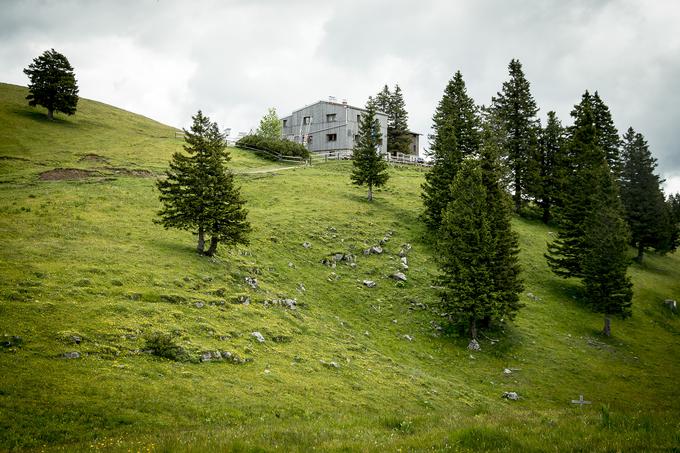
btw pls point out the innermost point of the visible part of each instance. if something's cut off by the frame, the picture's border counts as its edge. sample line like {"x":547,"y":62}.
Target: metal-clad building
{"x":329,"y":126}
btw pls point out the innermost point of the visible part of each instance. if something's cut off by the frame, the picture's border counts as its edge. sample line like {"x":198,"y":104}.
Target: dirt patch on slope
{"x":92,"y":157}
{"x":122,"y":171}
{"x":59,"y":174}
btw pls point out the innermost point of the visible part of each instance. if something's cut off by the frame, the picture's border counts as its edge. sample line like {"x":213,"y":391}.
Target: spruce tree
{"x":478,"y":250}
{"x":53,"y":84}
{"x":368,"y":166}
{"x":516,"y":109}
{"x":673,"y":215}
{"x":607,"y":287}
{"x":398,"y":137}
{"x":199,"y":194}
{"x":642,"y":197}
{"x":608,"y":135}
{"x":581,"y":179}
{"x":457,"y":133}
{"x":552,"y":160}
{"x":383,"y":101}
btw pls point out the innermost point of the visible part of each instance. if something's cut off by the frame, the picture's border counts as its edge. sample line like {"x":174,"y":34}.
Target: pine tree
{"x":478,"y":250}
{"x":457,"y":133}
{"x":643,"y":200}
{"x":368,"y":166}
{"x":398,"y":137}
{"x":607,"y":287}
{"x":199,"y":193}
{"x":271,"y":127}
{"x":53,"y":84}
{"x":673,"y":215}
{"x":581,"y":179}
{"x":552,"y":160}
{"x":516,"y":109}
{"x":383,"y":101}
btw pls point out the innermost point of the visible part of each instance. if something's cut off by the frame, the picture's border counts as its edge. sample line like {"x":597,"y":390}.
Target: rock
{"x":394,"y":321}
{"x":375,"y":250}
{"x":404,"y":250}
{"x":291,"y":265}
{"x":367,"y":333}
{"x":338,"y":256}
{"x":404,"y":261}
{"x":244,"y":300}
{"x":513,"y":396}
{"x":384,"y":240}
{"x":199,"y":304}
{"x":258,"y":336}
{"x":533,"y":297}
{"x":301,"y":287}
{"x":671,"y":305}
{"x":333,"y":277}
{"x":369,"y":283}
{"x":286,"y":303}
{"x":329,"y":263}
{"x":329,"y":364}
{"x":507,"y":371}
{"x":206,"y":356}
{"x":72,"y":355}
{"x":332,"y":229}
{"x":407,"y":337}
{"x":9,"y":341}
{"x":474,"y":345}
{"x":399,"y":276}
{"x":252,"y":282}
{"x":306,"y":244}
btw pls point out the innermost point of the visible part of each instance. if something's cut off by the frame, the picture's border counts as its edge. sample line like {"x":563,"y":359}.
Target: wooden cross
{"x":580,"y":401}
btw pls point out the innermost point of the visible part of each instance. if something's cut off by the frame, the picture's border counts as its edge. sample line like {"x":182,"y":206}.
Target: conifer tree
{"x":642,"y":197}
{"x":673,"y":215}
{"x":53,"y":84}
{"x":478,"y":250}
{"x":552,"y":160}
{"x":398,"y":137}
{"x":199,"y":194}
{"x":383,"y":101}
{"x":516,"y":109}
{"x":608,"y":135}
{"x":368,"y":166}
{"x":584,"y":158}
{"x":457,"y":133}
{"x":607,"y":287}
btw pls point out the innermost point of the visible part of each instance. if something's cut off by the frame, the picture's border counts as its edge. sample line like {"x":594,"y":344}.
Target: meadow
{"x":85,"y":270}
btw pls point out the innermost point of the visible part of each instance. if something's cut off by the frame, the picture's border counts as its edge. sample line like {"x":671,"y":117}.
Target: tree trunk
{"x":213,"y":246}
{"x":50,"y":114}
{"x":370,"y":193}
{"x":518,"y":193}
{"x":546,"y":212}
{"x":201,"y":240}
{"x":607,"y":330}
{"x":641,"y":251}
{"x":473,"y":329}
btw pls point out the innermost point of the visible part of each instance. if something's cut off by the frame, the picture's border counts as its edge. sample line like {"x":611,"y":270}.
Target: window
{"x":331,"y":137}
{"x":356,"y":138}
{"x":330,"y":118}
{"x":358,"y":118}
{"x":306,"y":120}
{"x":285,"y":123}
{"x":309,"y":139}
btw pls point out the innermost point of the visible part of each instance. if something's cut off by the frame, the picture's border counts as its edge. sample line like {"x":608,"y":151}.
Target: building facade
{"x":329,"y":126}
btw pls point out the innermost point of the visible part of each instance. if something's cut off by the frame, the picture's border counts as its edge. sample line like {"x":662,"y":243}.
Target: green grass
{"x":83,"y":258}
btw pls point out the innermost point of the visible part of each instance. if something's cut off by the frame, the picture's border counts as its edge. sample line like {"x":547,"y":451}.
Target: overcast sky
{"x":234,"y":59}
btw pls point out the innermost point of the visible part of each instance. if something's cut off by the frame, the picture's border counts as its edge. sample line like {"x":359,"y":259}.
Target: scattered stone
{"x":330,"y":263}
{"x":671,"y":305}
{"x":208,"y":356}
{"x":513,"y":396}
{"x":329,"y":364}
{"x":258,"y":336}
{"x":404,"y":250}
{"x":199,"y":305}
{"x":407,"y":337}
{"x":399,"y":276}
{"x":306,"y":245}
{"x":375,"y":250}
{"x":533,"y":297}
{"x":242,"y":299}
{"x":72,"y":355}
{"x":338,"y":256}
{"x":301,"y":287}
{"x":134,"y":296}
{"x":252,"y":282}
{"x":11,"y":341}
{"x":332,"y":229}
{"x":291,"y":265}
{"x":394,"y":321}
{"x":367,"y":333}
{"x":474,"y":345}
{"x":286,"y":303}
{"x":333,"y":277}
{"x":369,"y":283}
{"x":507,"y":371}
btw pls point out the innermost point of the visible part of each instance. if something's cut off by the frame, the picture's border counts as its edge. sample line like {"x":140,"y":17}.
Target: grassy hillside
{"x":85,"y":270}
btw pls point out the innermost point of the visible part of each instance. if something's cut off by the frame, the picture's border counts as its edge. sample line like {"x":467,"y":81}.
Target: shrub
{"x":284,"y":148}
{"x":163,"y":345}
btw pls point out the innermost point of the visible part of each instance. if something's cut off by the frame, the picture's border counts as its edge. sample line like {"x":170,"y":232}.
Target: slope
{"x":84,"y":270}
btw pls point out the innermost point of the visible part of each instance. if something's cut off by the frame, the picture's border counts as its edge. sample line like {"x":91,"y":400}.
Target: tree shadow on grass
{"x":40,"y":116}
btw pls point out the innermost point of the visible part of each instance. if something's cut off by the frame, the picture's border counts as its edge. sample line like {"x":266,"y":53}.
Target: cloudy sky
{"x":234,"y":59}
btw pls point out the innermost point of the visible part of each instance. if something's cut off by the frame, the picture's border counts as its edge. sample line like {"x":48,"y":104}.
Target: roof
{"x":335,"y":103}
